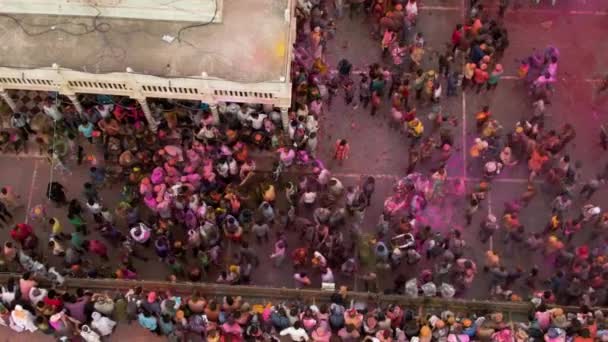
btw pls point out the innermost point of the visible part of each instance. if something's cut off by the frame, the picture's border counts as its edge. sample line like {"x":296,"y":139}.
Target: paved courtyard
{"x":378,"y":150}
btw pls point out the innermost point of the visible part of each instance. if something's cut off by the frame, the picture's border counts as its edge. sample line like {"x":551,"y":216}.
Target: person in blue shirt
{"x":86,"y":129}
{"x":148,"y":321}
{"x":476,"y":54}
{"x":166,"y":325}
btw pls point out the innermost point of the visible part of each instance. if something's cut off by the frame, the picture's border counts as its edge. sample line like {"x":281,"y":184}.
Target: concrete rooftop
{"x":248,"y":46}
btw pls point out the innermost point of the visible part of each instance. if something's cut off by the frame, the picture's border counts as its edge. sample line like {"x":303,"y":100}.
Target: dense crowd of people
{"x":92,"y":317}
{"x":191,"y":198}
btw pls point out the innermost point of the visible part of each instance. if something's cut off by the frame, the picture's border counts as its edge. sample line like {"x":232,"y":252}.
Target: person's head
{"x":297,"y":324}
{"x":343,"y":142}
{"x":91,"y":201}
{"x":52,"y":221}
{"x":458,"y":27}
{"x":553,"y":59}
{"x":486,"y":108}
{"x":52,"y":244}
{"x":166,"y":319}
{"x":4,"y":191}
{"x":88,"y":185}
{"x":245,"y":244}
{"x":468,"y":265}
{"x":26,"y":275}
{"x":51,"y":294}
{"x":10,"y":283}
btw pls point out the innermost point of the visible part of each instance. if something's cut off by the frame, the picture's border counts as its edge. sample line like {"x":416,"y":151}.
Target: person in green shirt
{"x":495,"y":77}
{"x":77,"y":240}
{"x":176,"y":267}
{"x":419,"y":83}
{"x":204,"y":261}
{"x":378,"y":85}
{"x":78,"y":223}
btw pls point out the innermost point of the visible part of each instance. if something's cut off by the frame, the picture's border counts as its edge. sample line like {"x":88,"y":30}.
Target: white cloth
{"x":102,"y":324}
{"x":41,"y":294}
{"x":7,"y":296}
{"x":89,"y":335}
{"x":295,"y":334}
{"x":53,"y":112}
{"x":257,"y":123}
{"x":26,"y":322}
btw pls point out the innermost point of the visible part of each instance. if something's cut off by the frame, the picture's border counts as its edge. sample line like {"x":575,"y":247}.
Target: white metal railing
{"x":209,"y":89}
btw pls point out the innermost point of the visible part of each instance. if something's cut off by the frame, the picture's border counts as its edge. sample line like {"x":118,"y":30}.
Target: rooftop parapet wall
{"x":175,"y":10}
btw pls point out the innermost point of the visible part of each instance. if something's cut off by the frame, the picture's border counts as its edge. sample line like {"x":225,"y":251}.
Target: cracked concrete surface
{"x":248,"y":46}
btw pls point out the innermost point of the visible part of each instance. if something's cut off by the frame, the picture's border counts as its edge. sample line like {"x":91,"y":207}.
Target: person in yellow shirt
{"x":415,"y":130}
{"x":56,"y":227}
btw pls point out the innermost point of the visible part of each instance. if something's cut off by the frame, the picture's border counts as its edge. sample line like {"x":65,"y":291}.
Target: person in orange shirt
{"x":468,"y":73}
{"x":553,"y":245}
{"x":342,"y":150}
{"x":536,"y":162}
{"x":482,"y":117}
{"x":481,"y":76}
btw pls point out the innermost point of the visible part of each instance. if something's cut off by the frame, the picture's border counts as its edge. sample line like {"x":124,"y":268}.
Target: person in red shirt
{"x":53,"y":301}
{"x":21,"y":231}
{"x":96,"y":247}
{"x":481,"y":77}
{"x":456,"y":37}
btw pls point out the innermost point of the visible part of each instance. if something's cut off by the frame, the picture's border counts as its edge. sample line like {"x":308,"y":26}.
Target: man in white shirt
{"x":257,"y":120}
{"x":51,"y":109}
{"x":94,"y":207}
{"x":296,"y":333}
